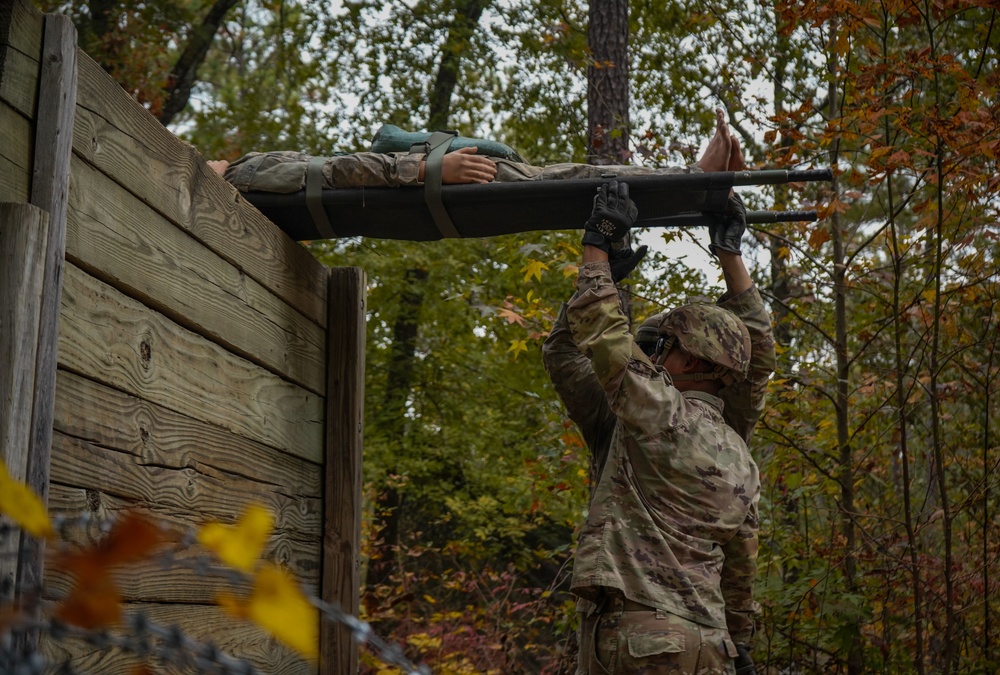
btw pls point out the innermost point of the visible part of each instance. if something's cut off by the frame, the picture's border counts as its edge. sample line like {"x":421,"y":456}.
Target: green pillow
{"x":391,"y":138}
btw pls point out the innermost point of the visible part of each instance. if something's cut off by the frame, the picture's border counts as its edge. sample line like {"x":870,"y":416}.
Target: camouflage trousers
{"x":619,"y":641}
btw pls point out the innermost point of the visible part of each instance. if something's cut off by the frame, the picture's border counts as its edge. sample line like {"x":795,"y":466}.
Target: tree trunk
{"x":845,"y":452}
{"x":607,"y":83}
{"x":456,"y":46}
{"x":391,"y":421}
{"x":184,"y":74}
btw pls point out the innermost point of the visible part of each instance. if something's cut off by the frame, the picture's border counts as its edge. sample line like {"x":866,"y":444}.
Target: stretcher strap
{"x":437,"y":146}
{"x":314,"y":198}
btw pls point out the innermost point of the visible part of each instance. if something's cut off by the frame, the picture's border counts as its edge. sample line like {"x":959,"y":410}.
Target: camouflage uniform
{"x":673,"y":519}
{"x":285,"y":172}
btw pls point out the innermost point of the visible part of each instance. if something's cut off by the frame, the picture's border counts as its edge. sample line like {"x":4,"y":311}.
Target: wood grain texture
{"x":344,"y":447}
{"x":20,"y":54}
{"x":163,"y":580}
{"x":124,"y":242}
{"x":49,"y":191}
{"x":121,"y":139}
{"x":15,"y":156}
{"x":21,"y":26}
{"x":89,"y":466}
{"x":206,"y":624}
{"x":19,"y":75}
{"x":92,"y":412}
{"x":23,"y":237}
{"x":111,"y":338}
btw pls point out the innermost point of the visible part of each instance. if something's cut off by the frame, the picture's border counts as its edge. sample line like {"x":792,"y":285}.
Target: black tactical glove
{"x":743,"y":662}
{"x":726,"y":231}
{"x":623,"y":259}
{"x":612,"y":216}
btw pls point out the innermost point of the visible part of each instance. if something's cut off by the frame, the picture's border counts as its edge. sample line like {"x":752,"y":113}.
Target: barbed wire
{"x":170,"y":644}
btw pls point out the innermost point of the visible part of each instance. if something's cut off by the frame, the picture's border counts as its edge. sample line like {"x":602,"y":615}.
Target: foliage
{"x":879,"y":449}
{"x":93,"y":604}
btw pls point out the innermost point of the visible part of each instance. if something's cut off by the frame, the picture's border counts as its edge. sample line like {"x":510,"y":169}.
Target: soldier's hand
{"x":725,"y":232}
{"x":623,"y":259}
{"x":612,"y":217}
{"x":743,"y":662}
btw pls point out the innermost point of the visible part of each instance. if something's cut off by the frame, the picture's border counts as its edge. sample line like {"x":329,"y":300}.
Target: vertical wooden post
{"x":50,"y":192}
{"x":345,"y":392}
{"x":23,"y":237}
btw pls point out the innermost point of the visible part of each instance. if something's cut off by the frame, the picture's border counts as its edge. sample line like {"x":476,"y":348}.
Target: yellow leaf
{"x":279,"y":606}
{"x":241,"y":544}
{"x":534,"y":269}
{"x":518,"y":346}
{"x":424,"y":641}
{"x":22,"y":505}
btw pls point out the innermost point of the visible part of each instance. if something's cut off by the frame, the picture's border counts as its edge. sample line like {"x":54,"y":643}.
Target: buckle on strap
{"x":437,"y":147}
{"x":314,"y":198}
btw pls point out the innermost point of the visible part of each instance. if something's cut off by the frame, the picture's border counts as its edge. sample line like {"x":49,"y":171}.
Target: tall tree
{"x":608,"y":83}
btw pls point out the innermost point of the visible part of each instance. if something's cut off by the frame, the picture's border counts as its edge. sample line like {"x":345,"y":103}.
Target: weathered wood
{"x":206,"y":624}
{"x":82,"y":464}
{"x":20,"y":53}
{"x":183,"y":582}
{"x":111,"y":338}
{"x":344,"y":445}
{"x":150,"y":581}
{"x":110,"y":418}
{"x":21,"y":26}
{"x":49,"y":191}
{"x":115,"y":134}
{"x":15,"y":156}
{"x":122,"y":241}
{"x":19,"y":79}
{"x":23,"y":237}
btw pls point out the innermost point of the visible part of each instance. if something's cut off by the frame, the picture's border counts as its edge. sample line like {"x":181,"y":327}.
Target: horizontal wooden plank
{"x":236,"y":638}
{"x":124,"y":242}
{"x":16,"y":136}
{"x":90,"y":411}
{"x":115,"y":134}
{"x":174,"y":583}
{"x":19,"y":78}
{"x":21,"y":26}
{"x":111,"y":338}
{"x":85,"y":465}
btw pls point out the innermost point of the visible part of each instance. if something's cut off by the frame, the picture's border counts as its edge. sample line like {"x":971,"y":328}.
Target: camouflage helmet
{"x":706,"y":331}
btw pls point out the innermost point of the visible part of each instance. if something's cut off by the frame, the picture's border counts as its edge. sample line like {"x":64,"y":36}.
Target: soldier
{"x":666,"y":560}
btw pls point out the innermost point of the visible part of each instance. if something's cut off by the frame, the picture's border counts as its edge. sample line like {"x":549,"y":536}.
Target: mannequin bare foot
{"x":736,"y":162}
{"x":717,"y":154}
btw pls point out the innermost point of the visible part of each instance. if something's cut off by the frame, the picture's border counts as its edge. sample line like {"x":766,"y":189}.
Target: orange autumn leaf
{"x":239,"y":545}
{"x":94,"y":600}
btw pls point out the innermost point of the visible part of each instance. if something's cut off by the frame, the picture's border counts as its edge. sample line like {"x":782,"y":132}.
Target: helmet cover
{"x":706,"y":331}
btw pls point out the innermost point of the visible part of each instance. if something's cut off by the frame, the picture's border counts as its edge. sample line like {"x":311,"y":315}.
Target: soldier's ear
{"x":695,"y":364}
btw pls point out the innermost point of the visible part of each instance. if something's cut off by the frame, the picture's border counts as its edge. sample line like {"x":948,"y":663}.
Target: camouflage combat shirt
{"x":673,"y":517}
{"x":285,"y":171}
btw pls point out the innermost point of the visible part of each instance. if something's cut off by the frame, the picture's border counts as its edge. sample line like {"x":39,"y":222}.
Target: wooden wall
{"x":192,"y":351}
